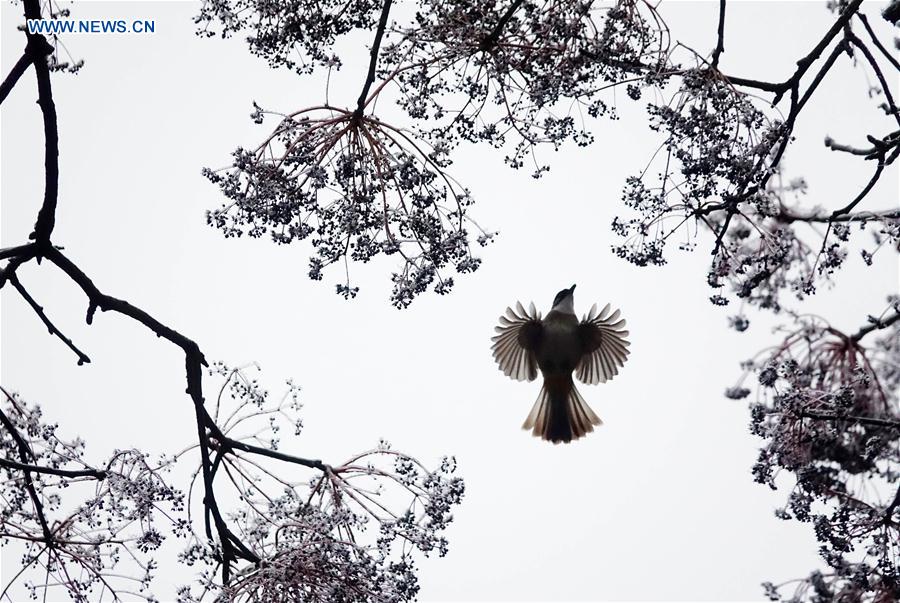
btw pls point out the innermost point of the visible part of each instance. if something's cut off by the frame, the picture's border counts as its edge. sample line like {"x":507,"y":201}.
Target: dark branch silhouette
{"x":373,"y":61}
{"x":12,"y":278}
{"x":129,"y":480}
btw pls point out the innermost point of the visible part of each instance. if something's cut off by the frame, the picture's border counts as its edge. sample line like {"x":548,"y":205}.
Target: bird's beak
{"x":572,"y":289}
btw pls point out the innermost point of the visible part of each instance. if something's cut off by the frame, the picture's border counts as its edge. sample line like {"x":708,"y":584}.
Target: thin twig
{"x":878,"y":43}
{"x":869,"y":185}
{"x":885,"y":87}
{"x":238,"y":445}
{"x":100,"y":475}
{"x":39,"y":310}
{"x":788,"y":216}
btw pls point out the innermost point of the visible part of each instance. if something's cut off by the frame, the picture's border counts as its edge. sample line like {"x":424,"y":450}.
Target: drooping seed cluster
{"x":827,"y":408}
{"x":356,"y":188}
{"x":517,"y":76}
{"x":349,"y":532}
{"x":104,"y":521}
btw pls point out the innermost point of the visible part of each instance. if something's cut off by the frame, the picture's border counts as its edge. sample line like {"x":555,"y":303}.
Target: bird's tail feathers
{"x":560,"y":414}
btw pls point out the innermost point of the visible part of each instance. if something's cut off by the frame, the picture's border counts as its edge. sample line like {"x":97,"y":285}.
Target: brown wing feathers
{"x":604,"y":344}
{"x":516,"y":339}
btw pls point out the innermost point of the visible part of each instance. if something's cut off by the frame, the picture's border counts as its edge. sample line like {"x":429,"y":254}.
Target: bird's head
{"x":565,"y":301}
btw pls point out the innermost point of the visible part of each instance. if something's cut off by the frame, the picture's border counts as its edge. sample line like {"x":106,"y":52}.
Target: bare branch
{"x":821,"y":416}
{"x":720,"y":43}
{"x":82,"y":357}
{"x":885,"y":87}
{"x":494,"y":35}
{"x":869,"y":185}
{"x":229,"y":443}
{"x":26,"y":456}
{"x":46,"y":218}
{"x":28,"y":250}
{"x":788,"y":216}
{"x":373,"y":60}
{"x":804,"y":63}
{"x":52,"y":470}
{"x":876,"y":326}
{"x":877,"y":42}
{"x":14,"y":74}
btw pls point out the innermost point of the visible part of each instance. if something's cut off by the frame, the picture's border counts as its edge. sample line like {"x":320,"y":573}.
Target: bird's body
{"x":559,"y":345}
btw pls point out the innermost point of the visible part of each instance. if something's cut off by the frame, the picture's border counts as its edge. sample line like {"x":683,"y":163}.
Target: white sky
{"x":659,"y":503}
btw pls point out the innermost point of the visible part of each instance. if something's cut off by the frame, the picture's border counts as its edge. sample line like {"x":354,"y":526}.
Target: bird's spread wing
{"x":517,"y":338}
{"x":604,"y":347}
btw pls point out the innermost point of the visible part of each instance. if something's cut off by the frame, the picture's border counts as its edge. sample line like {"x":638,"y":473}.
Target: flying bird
{"x":594,"y":349}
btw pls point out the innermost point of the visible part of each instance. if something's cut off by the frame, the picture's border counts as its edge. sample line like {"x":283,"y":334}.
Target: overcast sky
{"x":658,"y":503}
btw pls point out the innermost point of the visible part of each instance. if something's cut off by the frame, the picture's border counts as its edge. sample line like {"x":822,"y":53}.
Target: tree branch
{"x":869,"y":185}
{"x":731,"y":204}
{"x":492,"y":38}
{"x":778,"y":88}
{"x":82,"y":357}
{"x":208,"y":433}
{"x":229,"y":443}
{"x":720,"y":44}
{"x":875,"y":326}
{"x":786,"y":215}
{"x":26,"y":455}
{"x":889,"y":511}
{"x":820,"y":75}
{"x":804,"y":63}
{"x":19,"y":250}
{"x":373,"y":60}
{"x":228,"y":541}
{"x":885,"y":87}
{"x":15,"y":73}
{"x":823,"y":416}
{"x":100,"y":475}
{"x":877,"y":42}
{"x":792,"y":84}
{"x":879,"y":148}
{"x":232,"y":547}
{"x":46,"y":218}
{"x":106,"y":303}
